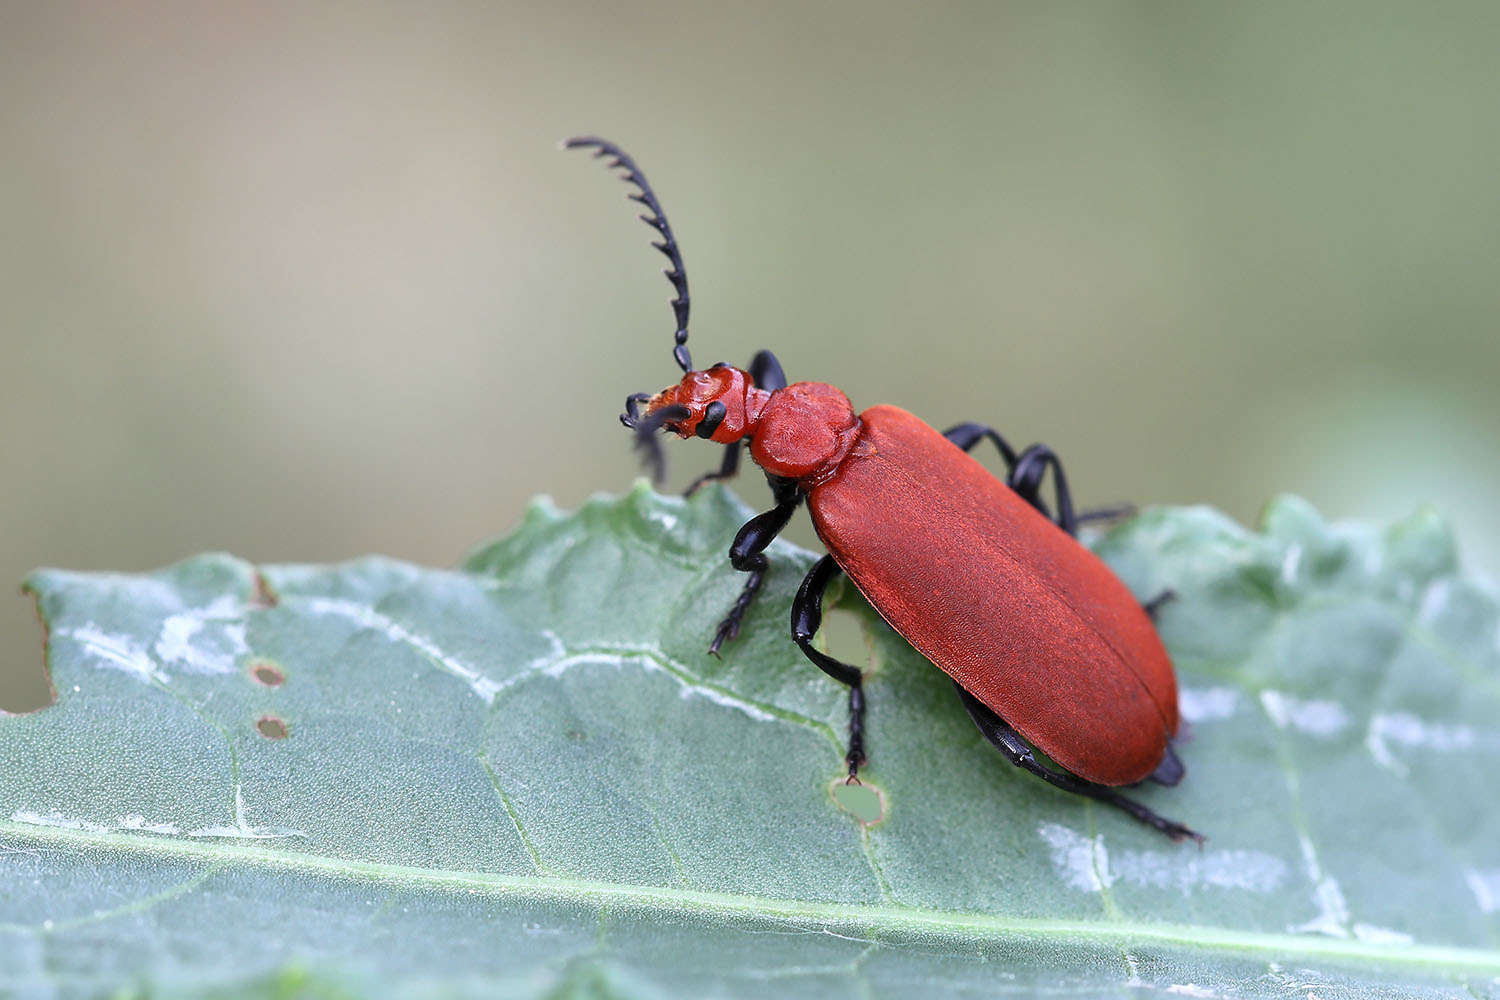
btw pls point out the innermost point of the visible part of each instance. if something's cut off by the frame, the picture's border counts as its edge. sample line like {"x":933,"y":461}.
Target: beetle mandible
{"x":1043,"y":642}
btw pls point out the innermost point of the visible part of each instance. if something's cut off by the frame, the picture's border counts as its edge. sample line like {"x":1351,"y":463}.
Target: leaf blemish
{"x":262,"y":596}
{"x":272,"y":728}
{"x":864,"y":801}
{"x":367,"y":617}
{"x":1084,"y":863}
{"x":207,"y":640}
{"x":266,"y":673}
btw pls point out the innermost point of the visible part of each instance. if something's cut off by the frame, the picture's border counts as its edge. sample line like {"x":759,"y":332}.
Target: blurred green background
{"x":306,"y":281}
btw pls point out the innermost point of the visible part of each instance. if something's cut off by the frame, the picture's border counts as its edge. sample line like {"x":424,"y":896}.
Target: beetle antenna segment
{"x":646,"y":441}
{"x":657,"y":219}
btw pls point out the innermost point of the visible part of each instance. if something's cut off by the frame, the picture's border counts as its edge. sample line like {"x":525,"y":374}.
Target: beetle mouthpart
{"x":646,"y":443}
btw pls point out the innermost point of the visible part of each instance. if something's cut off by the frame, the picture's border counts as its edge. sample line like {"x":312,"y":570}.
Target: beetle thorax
{"x":804,"y":431}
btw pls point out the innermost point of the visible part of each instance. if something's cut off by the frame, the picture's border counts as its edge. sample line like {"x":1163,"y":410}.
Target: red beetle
{"x":1043,"y":642}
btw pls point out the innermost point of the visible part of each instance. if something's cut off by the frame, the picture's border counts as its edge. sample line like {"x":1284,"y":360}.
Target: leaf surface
{"x":526,"y":778}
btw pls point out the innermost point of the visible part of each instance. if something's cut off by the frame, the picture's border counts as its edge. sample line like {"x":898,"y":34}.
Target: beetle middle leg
{"x":1009,"y":742}
{"x":807,"y":617}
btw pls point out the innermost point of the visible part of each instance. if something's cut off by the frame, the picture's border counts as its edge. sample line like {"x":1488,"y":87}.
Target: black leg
{"x":1026,"y":479}
{"x":807,"y":616}
{"x":766,"y":371}
{"x":1009,"y":742}
{"x":1114,"y":512}
{"x":747,"y":555}
{"x":966,"y":436}
{"x":1170,"y":771}
{"x":1153,"y":606}
{"x":1024,"y":472}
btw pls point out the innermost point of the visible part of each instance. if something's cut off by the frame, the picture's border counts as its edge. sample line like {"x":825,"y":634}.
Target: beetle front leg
{"x":747,"y":555}
{"x":807,"y":617}
{"x":1009,"y":742}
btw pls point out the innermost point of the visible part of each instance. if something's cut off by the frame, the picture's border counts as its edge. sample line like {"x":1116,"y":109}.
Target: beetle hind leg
{"x":807,"y":617}
{"x":1009,"y":742}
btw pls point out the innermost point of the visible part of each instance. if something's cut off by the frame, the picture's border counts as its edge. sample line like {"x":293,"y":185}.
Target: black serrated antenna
{"x":657,"y":219}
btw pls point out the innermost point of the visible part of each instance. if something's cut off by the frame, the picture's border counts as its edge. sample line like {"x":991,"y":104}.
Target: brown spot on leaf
{"x":266,"y":673}
{"x":272,"y":728}
{"x":263,"y":596}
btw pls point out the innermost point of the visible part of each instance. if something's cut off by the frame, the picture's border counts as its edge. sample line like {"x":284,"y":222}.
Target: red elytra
{"x":1042,"y":639}
{"x":1045,"y":634}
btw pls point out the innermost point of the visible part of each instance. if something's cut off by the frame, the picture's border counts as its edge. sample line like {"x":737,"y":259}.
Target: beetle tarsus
{"x":855,"y":758}
{"x":729,"y":628}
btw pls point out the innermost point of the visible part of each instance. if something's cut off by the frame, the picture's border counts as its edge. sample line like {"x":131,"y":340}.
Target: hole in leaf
{"x":267,"y":673}
{"x":865,"y":802}
{"x":271,"y":727}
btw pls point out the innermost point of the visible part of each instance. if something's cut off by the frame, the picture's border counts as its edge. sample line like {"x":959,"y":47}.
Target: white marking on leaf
{"x":186,"y":639}
{"x":1084,"y":864}
{"x":1333,"y":912}
{"x":56,"y":819}
{"x":667,"y":521}
{"x":1289,"y":564}
{"x":1434,"y":600}
{"x":1322,"y":719}
{"x":368,"y":617}
{"x":1485,"y":885}
{"x":136,"y":823}
{"x":133,"y":822}
{"x":689,"y":689}
{"x":1381,"y":935}
{"x":1208,"y":704}
{"x":118,"y":652}
{"x":243,"y":830}
{"x":1073,"y":855}
{"x":1408,"y":730}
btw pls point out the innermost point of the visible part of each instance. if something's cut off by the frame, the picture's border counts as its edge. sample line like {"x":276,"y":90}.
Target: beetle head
{"x":717,"y":404}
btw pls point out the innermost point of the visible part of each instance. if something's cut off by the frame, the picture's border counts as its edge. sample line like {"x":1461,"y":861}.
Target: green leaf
{"x":527,"y":779}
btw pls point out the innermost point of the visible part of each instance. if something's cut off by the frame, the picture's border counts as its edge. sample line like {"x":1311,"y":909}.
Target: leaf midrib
{"x":889,"y":917}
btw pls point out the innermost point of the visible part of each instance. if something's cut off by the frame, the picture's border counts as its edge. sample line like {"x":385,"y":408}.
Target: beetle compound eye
{"x":713,"y":416}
